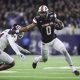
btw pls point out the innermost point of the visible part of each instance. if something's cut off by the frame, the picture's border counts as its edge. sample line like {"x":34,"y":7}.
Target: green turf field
{"x":55,"y":69}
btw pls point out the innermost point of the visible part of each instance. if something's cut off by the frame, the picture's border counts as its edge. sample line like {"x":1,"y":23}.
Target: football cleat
{"x":76,"y":73}
{"x":34,"y":65}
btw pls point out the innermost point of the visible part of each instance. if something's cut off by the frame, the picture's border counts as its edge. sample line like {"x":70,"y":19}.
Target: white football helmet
{"x":43,"y":11}
{"x":43,"y":8}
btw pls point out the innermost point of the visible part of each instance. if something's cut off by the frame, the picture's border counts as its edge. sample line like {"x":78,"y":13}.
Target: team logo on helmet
{"x":43,"y":8}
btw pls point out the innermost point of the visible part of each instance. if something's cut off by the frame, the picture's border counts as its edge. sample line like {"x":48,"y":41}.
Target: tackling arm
{"x":25,"y":29}
{"x":13,"y":45}
{"x":22,"y":49}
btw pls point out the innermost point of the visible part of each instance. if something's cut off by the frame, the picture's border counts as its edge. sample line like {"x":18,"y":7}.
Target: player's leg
{"x":59,"y":46}
{"x":8,"y":61}
{"x":43,"y":57}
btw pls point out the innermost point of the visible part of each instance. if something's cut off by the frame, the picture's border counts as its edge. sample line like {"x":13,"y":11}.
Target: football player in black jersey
{"x":47,"y":22}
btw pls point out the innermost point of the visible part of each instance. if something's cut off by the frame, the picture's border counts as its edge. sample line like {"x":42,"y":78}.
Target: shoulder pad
{"x":51,"y":14}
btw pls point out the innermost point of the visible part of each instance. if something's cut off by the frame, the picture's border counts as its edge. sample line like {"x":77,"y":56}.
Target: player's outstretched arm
{"x":23,"y":29}
{"x":23,"y":50}
{"x":14,"y":46}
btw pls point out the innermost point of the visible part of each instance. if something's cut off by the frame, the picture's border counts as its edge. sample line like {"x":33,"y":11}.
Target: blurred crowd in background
{"x":23,"y":11}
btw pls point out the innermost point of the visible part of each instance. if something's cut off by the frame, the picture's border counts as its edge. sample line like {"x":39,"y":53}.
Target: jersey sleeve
{"x":34,"y":20}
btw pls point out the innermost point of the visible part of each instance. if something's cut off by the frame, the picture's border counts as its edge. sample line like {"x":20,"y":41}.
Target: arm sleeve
{"x":22,"y":49}
{"x":13,"y":44}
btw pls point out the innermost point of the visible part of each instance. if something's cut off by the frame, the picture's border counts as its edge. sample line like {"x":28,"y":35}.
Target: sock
{"x":68,"y":58}
{"x":38,"y":59}
{"x":69,"y":61}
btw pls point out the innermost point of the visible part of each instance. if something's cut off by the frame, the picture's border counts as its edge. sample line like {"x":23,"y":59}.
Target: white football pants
{"x":56,"y":44}
{"x":5,"y":58}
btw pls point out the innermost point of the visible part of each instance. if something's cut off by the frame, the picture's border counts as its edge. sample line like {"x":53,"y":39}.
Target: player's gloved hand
{"x":22,"y":56}
{"x":58,"y":26}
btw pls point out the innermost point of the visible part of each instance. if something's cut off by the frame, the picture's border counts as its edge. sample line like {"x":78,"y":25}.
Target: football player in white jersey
{"x":8,"y":39}
{"x":47,"y":22}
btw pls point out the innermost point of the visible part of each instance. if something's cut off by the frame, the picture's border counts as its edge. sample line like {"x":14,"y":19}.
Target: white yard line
{"x":60,"y":68}
{"x":45,"y":68}
{"x":43,"y":77}
{"x":8,"y":71}
{"x":49,"y":67}
{"x":22,"y":69}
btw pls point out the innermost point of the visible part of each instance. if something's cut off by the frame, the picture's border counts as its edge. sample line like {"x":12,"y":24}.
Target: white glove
{"x":22,"y":56}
